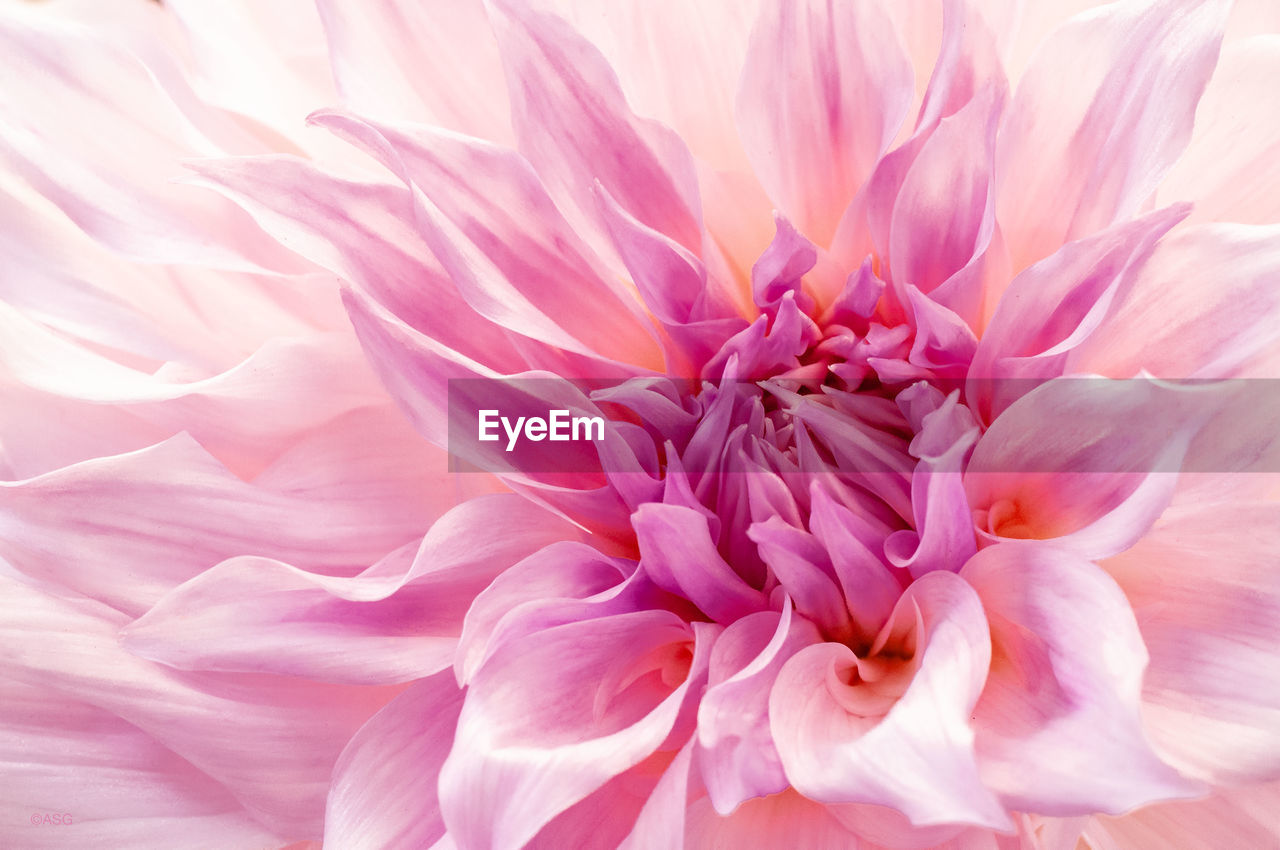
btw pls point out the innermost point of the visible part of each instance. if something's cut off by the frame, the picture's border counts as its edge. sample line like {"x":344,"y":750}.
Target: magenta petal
{"x":870,"y":588}
{"x":677,"y":551}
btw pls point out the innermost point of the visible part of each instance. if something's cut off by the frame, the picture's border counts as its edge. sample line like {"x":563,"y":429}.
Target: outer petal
{"x":390,"y":57}
{"x":834,"y":755}
{"x":1234,"y":817}
{"x":517,"y":272}
{"x":944,"y":213}
{"x":1095,"y":486}
{"x":384,"y":784}
{"x":118,"y":786}
{"x":120,"y":193}
{"x":661,"y":821}
{"x":770,"y":823}
{"x":532,"y":740}
{"x":399,"y":620}
{"x":1206,"y":590}
{"x":167,"y":513}
{"x":238,"y":44}
{"x":1231,"y":167}
{"x":1059,"y":730}
{"x":1110,"y":99}
{"x":271,"y":741}
{"x":1053,"y":307}
{"x":677,"y":62}
{"x":540,"y":585}
{"x":1194,"y":328}
{"x":365,"y":233}
{"x":824,"y":89}
{"x":573,"y":123}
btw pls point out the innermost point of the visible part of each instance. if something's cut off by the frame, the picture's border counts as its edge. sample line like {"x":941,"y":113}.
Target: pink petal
{"x":384,"y":784}
{"x":472,"y":203}
{"x":1110,"y":98}
{"x":238,"y":44}
{"x":555,"y":574}
{"x":823,"y":93}
{"x":677,"y":551}
{"x":1244,"y":185}
{"x":944,"y":213}
{"x":120,"y":193}
{"x":397,"y":621}
{"x":677,"y":62}
{"x":117,"y":784}
{"x":799,"y":563}
{"x":661,"y":821}
{"x":270,"y":741}
{"x":776,"y":822}
{"x":1094,"y":487}
{"x":388,"y":57}
{"x":365,"y":233}
{"x":602,"y":819}
{"x":943,"y":538}
{"x":1205,"y":592}
{"x":169,"y":512}
{"x":1059,"y":730}
{"x":1236,"y":817}
{"x":1194,"y":330}
{"x":736,"y":755}
{"x":834,"y":754}
{"x":1054,"y":307}
{"x":870,"y":588}
{"x":532,"y":740}
{"x":573,"y":123}
{"x":675,"y":287}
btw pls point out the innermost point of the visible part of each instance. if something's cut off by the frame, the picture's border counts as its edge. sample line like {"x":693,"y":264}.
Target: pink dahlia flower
{"x":930,"y":345}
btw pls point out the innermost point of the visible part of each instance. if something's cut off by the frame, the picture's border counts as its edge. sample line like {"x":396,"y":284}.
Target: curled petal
{"x":532,"y":740}
{"x":835,"y":739}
